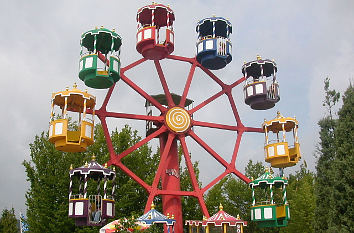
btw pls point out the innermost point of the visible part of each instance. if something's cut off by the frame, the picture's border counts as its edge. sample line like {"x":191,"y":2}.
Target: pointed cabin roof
{"x":218,"y":219}
{"x":268,"y":179}
{"x":93,"y":170}
{"x":153,"y":216}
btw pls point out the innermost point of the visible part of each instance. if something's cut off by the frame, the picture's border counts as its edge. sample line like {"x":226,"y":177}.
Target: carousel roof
{"x":75,"y":99}
{"x":153,"y":216}
{"x":268,"y":178}
{"x":93,"y":170}
{"x":214,"y":18}
{"x":162,"y":15}
{"x":253,"y":68}
{"x":276,"y":125}
{"x":218,"y":219}
{"x":104,"y":39}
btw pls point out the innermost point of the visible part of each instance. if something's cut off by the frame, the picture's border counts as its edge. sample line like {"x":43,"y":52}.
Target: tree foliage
{"x":301,"y":198}
{"x":334,"y":180}
{"x":8,"y":221}
{"x":48,"y":174}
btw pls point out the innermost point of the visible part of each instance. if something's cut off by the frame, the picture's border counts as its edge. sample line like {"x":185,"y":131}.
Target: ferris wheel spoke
{"x":180,"y":58}
{"x":208,"y":149}
{"x":215,"y":125}
{"x":188,"y":84}
{"x":176,"y":192}
{"x":143,"y":93}
{"x":237,"y":82}
{"x":237,"y":146}
{"x":134,"y":116}
{"x":107,"y":98}
{"x":132,"y":175}
{"x":132,"y":65}
{"x":140,"y":143}
{"x":252,"y":129}
{"x":216,"y":180}
{"x":207,"y":101}
{"x":189,"y":164}
{"x":234,"y":109}
{"x":164,"y":83}
{"x":213,"y":76}
{"x":241,"y":176}
{"x":203,"y":206}
{"x":108,"y":137}
{"x":163,"y":159}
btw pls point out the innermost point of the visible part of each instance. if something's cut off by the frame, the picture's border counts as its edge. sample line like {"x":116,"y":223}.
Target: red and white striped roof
{"x":218,"y":219}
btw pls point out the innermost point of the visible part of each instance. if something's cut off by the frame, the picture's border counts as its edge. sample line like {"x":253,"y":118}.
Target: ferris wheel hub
{"x":178,"y":120}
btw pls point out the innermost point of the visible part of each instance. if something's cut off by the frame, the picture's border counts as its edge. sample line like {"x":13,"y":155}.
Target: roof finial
{"x":71,"y":167}
{"x":75,"y":86}
{"x":173,"y":216}
{"x":152,"y":205}
{"x":279,"y":115}
{"x":221,"y":207}
{"x":105,"y":165}
{"x":93,"y":158}
{"x":168,"y":215}
{"x":259,"y":57}
{"x":86,"y":164}
{"x":238,"y":216}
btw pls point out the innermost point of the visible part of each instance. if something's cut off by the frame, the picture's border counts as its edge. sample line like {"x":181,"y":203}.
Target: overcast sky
{"x":39,"y":44}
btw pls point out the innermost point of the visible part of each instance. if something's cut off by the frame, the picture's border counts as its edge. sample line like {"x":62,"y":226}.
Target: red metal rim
{"x":153,"y":190}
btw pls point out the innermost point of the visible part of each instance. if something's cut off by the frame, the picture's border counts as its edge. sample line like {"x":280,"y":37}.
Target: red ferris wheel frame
{"x":153,"y":190}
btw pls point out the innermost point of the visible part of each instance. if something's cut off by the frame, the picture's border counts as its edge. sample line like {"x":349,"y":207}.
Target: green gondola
{"x":100,"y":62}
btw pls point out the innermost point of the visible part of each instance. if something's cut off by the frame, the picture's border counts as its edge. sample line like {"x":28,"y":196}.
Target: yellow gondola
{"x":72,"y":136}
{"x":278,"y":152}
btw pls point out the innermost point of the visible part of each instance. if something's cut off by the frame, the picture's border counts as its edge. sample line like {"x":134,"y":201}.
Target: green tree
{"x":48,"y":174}
{"x":236,"y":196}
{"x":301,"y":198}
{"x":326,"y":153}
{"x":8,"y":221}
{"x":334,"y":181}
{"x":343,"y":167}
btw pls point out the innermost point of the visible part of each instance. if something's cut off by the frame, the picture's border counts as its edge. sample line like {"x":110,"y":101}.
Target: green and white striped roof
{"x":268,"y":178}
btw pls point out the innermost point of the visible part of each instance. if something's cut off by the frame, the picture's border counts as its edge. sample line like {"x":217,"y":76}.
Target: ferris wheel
{"x":100,"y":68}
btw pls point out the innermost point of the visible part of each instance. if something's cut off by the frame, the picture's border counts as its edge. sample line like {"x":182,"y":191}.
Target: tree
{"x":335,"y":166}
{"x":236,"y":196}
{"x":48,"y":174}
{"x":8,"y":221}
{"x":301,"y":198}
{"x":343,"y":166}
{"x":326,"y":153}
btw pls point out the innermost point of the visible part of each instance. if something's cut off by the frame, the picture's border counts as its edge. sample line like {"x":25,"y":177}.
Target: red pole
{"x":170,"y":180}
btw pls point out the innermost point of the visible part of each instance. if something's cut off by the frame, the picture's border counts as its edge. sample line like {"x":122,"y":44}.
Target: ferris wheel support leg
{"x":170,"y":180}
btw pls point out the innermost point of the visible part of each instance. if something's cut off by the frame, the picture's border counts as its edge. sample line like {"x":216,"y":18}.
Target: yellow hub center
{"x":178,"y":119}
